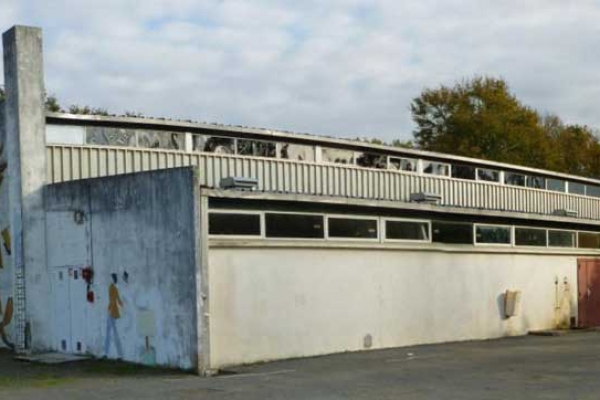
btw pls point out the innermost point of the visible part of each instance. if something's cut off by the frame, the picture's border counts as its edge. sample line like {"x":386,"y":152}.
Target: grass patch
{"x":35,"y":382}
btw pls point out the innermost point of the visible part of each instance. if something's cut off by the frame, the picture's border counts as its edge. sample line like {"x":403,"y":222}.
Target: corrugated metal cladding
{"x":67,"y":163}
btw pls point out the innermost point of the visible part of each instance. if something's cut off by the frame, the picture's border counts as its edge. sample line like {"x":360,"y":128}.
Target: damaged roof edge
{"x":200,"y":127}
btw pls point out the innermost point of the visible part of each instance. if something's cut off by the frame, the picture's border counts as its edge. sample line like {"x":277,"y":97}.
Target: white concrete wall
{"x":143,"y":225}
{"x":273,"y":303}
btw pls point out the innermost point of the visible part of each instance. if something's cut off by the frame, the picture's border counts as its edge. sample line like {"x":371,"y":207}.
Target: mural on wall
{"x":141,"y":321}
{"x":6,"y":320}
{"x":6,"y":240}
{"x":114,"y":305}
{"x":6,"y":309}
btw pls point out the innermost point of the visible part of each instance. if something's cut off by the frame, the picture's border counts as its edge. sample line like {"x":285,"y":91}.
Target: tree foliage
{"x":480,"y":118}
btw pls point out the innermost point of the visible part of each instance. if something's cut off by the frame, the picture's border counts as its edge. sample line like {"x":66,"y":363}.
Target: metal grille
{"x":67,"y":163}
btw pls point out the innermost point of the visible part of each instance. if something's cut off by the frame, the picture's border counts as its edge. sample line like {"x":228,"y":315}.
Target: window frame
{"x":575,"y":241}
{"x":496,"y":182}
{"x":383,"y":229}
{"x":511,"y":229}
{"x":568,"y":189}
{"x":421,"y":168}
{"x":353,"y":239}
{"x":515,"y":227}
{"x":264,"y":220}
{"x":229,"y":211}
{"x":456,"y":223}
{"x":324,"y":150}
{"x":416,"y":160}
{"x":587,"y":248}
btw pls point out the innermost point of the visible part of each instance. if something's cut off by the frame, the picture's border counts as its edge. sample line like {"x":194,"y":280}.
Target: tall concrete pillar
{"x":26,"y":157}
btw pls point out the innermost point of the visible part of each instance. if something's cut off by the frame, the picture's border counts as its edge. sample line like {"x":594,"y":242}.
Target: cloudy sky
{"x":343,"y":68}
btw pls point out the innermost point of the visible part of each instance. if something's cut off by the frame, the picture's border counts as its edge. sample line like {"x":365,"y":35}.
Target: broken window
{"x":352,"y":228}
{"x":238,"y":224}
{"x":213,"y":144}
{"x":256,"y":148}
{"x":492,"y":234}
{"x":160,"y":140}
{"x":489,"y":175}
{"x":283,"y":225}
{"x":561,"y":238}
{"x":407,"y":230}
{"x":370,"y":160}
{"x":298,"y":152}
{"x":337,"y":156}
{"x":403,"y":164}
{"x":452,"y":232}
{"x":463,"y":171}
{"x":106,"y":136}
{"x":536,"y":182}
{"x":514,"y":179}
{"x":530,"y":237}
{"x":436,"y":168}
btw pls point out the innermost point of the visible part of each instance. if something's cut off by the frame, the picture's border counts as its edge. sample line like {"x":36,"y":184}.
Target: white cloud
{"x":342,"y":67}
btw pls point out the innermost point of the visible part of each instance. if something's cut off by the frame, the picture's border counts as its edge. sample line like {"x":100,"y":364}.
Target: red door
{"x":588,"y":277}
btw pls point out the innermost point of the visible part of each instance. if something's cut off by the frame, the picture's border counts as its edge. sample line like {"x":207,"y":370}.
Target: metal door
{"x":69,"y":291}
{"x":62,"y":310}
{"x":588,"y":277}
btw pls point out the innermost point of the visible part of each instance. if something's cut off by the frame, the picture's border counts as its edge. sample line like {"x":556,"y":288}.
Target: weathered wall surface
{"x":138,"y":234}
{"x":6,"y":269}
{"x":276,"y":303}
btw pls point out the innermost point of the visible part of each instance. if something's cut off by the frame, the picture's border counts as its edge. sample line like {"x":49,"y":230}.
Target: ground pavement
{"x":564,"y":367}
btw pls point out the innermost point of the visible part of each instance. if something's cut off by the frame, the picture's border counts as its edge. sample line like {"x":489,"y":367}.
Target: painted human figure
{"x":114,"y":302}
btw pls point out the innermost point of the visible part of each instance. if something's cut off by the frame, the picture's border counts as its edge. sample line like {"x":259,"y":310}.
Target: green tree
{"x":575,"y":147}
{"x":480,"y":118}
{"x":52,"y":104}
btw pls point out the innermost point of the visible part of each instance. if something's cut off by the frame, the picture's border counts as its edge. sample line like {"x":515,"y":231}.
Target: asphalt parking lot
{"x":532,"y":367}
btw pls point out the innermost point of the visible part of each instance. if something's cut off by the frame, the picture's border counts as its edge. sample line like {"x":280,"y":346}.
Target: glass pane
{"x":65,"y":134}
{"x":511,"y":178}
{"x":256,"y":148}
{"x":406,"y":230}
{"x":588,"y":240}
{"x":436,"y":168}
{"x":234,"y":224}
{"x":160,"y":140}
{"x":110,"y":136}
{"x":213,"y":144}
{"x":593,"y":190}
{"x":369,"y":160}
{"x":337,"y":156}
{"x":403,"y":164}
{"x":492,"y":234}
{"x":561,"y":238}
{"x":556,"y":185}
{"x":536,"y":182}
{"x":576,"y":188}
{"x":463,"y":172}
{"x":530,"y":237}
{"x":294,"y":226}
{"x":452,"y":232}
{"x":488,"y":175}
{"x":353,"y":228}
{"x":299,"y":152}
